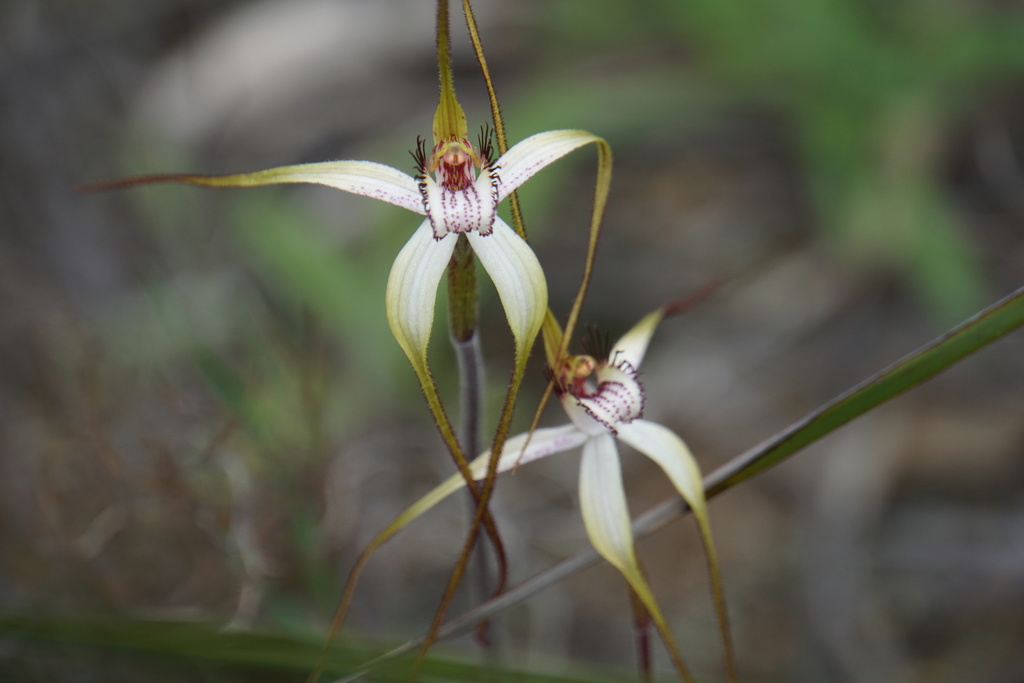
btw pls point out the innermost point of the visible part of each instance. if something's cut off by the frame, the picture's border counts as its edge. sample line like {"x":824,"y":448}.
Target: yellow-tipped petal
{"x":606,"y":518}
{"x":519,"y":279}
{"x":661,"y":445}
{"x":412,"y":291}
{"x":603,"y":503}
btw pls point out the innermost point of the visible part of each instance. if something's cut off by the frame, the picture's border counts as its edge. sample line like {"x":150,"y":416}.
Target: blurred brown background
{"x":203,"y":414}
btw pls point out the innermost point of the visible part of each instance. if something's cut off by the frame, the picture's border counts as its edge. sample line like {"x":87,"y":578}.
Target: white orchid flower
{"x":604,"y":400}
{"x":456,"y":201}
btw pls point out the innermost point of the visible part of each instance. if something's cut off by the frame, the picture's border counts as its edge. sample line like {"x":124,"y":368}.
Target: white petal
{"x":581,"y":417}
{"x":365,"y":178}
{"x":517,"y":276}
{"x":412,"y":289}
{"x":525,"y":159}
{"x":619,"y":397}
{"x":633,"y":345}
{"x":543,"y":443}
{"x":603,"y":503}
{"x":661,"y":445}
{"x":472,"y":209}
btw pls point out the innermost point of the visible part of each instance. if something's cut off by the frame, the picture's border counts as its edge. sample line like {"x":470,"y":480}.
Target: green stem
{"x":462,"y":301}
{"x":471,"y":369}
{"x":462,"y":309}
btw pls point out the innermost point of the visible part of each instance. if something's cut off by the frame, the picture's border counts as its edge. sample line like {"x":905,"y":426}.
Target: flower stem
{"x":470,"y":362}
{"x":462,"y":311}
{"x":462,"y":316}
{"x":642,"y":632}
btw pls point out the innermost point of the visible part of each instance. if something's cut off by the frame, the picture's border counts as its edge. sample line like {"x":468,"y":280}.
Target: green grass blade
{"x":982,"y":329}
{"x":197,"y":643}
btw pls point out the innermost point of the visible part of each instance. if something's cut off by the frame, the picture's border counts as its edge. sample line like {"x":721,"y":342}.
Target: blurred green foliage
{"x":870,"y":90}
{"x":216,"y":654}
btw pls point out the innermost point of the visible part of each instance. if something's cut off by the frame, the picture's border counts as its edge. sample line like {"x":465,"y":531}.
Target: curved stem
{"x":718,"y":598}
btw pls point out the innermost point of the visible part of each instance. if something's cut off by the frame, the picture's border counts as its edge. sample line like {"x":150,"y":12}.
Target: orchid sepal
{"x":365,"y":178}
{"x":412,"y":291}
{"x":529,"y":156}
{"x":519,"y":279}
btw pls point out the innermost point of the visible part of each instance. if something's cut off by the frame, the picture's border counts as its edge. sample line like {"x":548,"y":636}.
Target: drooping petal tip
{"x":664,"y":447}
{"x":603,"y":503}
{"x":412,"y":290}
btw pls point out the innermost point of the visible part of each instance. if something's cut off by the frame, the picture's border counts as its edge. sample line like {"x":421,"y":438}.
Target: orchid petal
{"x":633,"y":345}
{"x":517,"y":276}
{"x":661,"y":445}
{"x":581,"y":417}
{"x":603,"y":504}
{"x":365,"y":178}
{"x":619,"y":397}
{"x":542,"y":443}
{"x":469,"y":210}
{"x":412,"y":290}
{"x":525,"y":159}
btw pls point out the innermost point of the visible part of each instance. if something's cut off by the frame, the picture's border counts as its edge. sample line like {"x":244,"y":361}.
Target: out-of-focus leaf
{"x":204,"y":643}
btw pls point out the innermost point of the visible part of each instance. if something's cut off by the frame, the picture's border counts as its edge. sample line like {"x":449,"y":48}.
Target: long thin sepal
{"x":662,"y":446}
{"x":607,"y":521}
{"x":518,"y":223}
{"x":366,"y":178}
{"x":450,"y":120}
{"x":482,"y":512}
{"x":602,"y":186}
{"x":633,"y":345}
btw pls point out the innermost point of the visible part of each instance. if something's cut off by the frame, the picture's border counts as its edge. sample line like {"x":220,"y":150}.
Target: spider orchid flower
{"x":458,"y":188}
{"x":604,"y":400}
